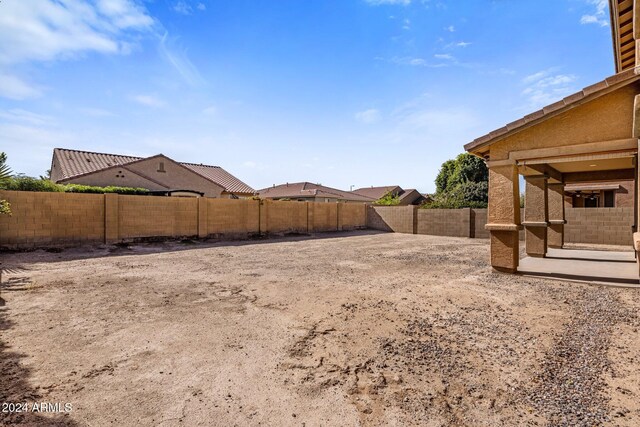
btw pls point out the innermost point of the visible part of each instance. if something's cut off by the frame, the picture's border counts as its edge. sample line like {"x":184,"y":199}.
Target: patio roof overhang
{"x":481,"y":146}
{"x":624,"y":32}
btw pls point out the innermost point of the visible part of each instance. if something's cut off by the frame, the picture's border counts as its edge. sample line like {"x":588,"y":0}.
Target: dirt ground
{"x":342,"y":329}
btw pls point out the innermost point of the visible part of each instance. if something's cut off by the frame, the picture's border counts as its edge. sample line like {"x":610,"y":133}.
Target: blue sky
{"x":340,"y":92}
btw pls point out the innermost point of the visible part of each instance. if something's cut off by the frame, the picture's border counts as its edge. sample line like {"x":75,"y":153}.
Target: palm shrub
{"x":5,"y":176}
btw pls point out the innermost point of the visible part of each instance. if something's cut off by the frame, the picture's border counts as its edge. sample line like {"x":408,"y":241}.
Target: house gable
{"x":175,"y":176}
{"x":119,"y":176}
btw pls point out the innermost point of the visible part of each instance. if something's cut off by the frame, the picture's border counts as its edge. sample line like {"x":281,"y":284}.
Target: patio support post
{"x":504,"y":215}
{"x":536,"y":215}
{"x":555,"y":232}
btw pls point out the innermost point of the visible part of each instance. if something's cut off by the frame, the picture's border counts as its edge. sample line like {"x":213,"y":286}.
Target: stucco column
{"x":504,"y":215}
{"x":536,"y":215}
{"x":555,"y":232}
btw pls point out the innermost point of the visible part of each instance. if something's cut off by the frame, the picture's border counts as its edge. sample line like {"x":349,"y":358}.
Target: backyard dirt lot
{"x":333,"y":330}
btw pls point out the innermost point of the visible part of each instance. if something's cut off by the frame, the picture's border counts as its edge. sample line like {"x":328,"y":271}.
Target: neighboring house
{"x":617,"y":194}
{"x":308,"y":192}
{"x":407,"y":197}
{"x":158,"y":173}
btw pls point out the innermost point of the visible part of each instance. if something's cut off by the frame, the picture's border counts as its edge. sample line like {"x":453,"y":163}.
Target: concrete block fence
{"x":41,"y":219}
{"x":584,"y":225}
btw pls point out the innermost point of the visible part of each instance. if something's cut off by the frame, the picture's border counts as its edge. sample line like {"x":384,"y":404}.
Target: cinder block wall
{"x":229,"y":216}
{"x":144,"y":216}
{"x":353,"y":215}
{"x":445,"y":222}
{"x":41,"y":219}
{"x":284,"y":217}
{"x":610,"y":226}
{"x":480,"y":220}
{"x":325,"y":217}
{"x":399,"y":219}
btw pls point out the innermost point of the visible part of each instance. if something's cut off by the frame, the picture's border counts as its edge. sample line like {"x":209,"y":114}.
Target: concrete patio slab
{"x":617,"y":268}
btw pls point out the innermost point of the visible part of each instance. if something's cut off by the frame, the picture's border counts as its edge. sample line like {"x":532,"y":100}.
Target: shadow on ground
{"x":16,"y":388}
{"x":158,"y":245}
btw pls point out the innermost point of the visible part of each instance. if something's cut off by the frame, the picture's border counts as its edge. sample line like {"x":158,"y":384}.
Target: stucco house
{"x":308,"y":192}
{"x":407,"y":197}
{"x":157,"y":173}
{"x":587,"y":138}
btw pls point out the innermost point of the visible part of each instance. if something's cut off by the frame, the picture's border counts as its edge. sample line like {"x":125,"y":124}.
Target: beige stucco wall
{"x":118,"y":177}
{"x":176,"y":176}
{"x":607,"y":118}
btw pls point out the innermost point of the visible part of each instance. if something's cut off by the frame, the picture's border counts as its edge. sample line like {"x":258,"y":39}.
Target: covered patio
{"x":586,"y":142}
{"x":588,"y":137}
{"x":616,"y":268}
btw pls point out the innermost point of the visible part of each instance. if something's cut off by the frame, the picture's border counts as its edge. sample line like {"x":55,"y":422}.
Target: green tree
{"x":461,"y":182}
{"x":5,"y":177}
{"x":388,"y":199}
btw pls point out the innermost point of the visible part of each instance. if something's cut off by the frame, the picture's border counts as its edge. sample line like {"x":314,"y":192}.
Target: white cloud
{"x":599,"y":15}
{"x":443,"y":56}
{"x":48,"y":30}
{"x":546,"y":87}
{"x":43,"y":30}
{"x":368,"y":116}
{"x":201,"y":6}
{"x":406,"y":24}
{"x":149,"y":101}
{"x":24,"y":116}
{"x":451,"y":28}
{"x":183,"y":8}
{"x":381,"y":2}
{"x":179,"y":61}
{"x":13,"y":87}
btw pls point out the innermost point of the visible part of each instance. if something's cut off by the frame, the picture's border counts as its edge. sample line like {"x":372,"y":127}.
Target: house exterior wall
{"x":599,"y":225}
{"x":175,"y":176}
{"x":119,"y":177}
{"x":607,"y":118}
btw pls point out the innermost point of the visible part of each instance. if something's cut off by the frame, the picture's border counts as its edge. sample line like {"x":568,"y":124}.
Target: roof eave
{"x":588,"y":94}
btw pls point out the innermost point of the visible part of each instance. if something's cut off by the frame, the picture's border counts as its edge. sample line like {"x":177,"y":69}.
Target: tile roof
{"x":376,"y":192}
{"x":307,"y":189}
{"x":76,"y":162}
{"x":221,"y":177}
{"x":588,"y":93}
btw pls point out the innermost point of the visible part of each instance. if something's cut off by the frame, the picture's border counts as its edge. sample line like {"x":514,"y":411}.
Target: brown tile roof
{"x":306,"y":190}
{"x":377,"y":192}
{"x":221,"y":177}
{"x":76,"y":162}
{"x":589,"y":93}
{"x":411,"y":195}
